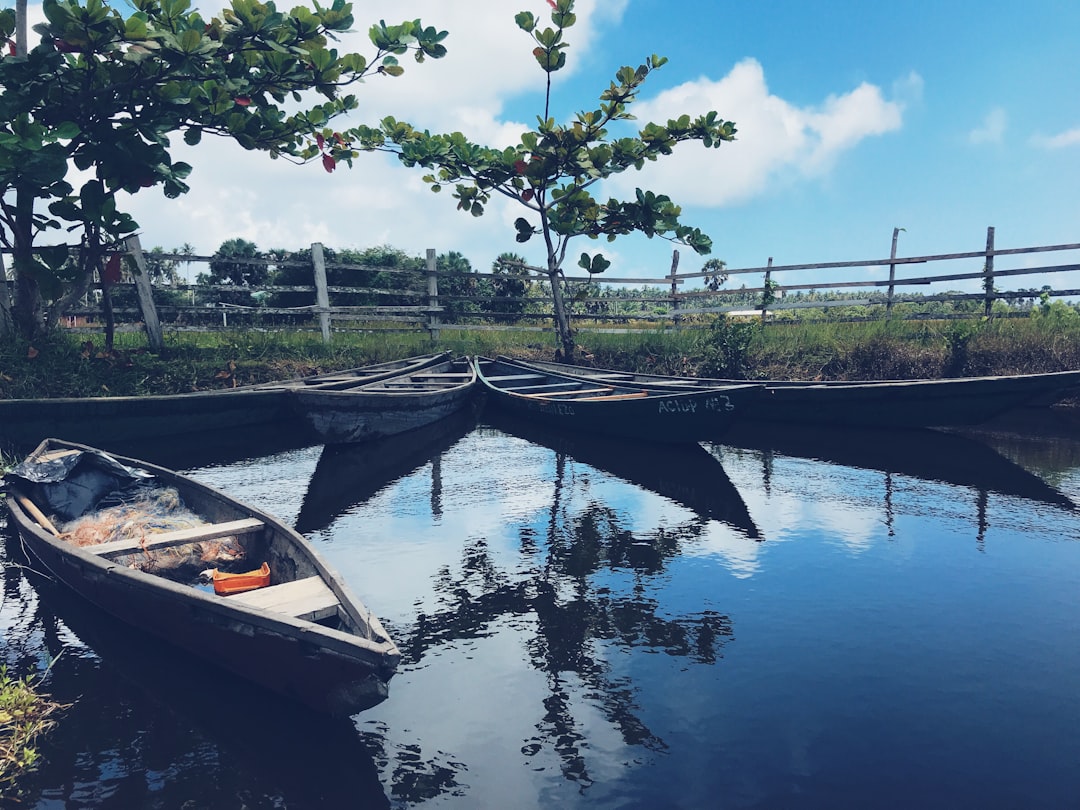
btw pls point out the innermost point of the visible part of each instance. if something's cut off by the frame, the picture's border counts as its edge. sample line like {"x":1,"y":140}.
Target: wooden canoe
{"x":122,"y":420}
{"x":947,"y":402}
{"x":364,"y":411}
{"x":304,"y":636}
{"x":614,"y":409}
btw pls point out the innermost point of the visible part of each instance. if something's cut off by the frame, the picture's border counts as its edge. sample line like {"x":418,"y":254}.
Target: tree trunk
{"x":7,"y":324}
{"x":110,"y":318}
{"x":27,"y":307}
{"x":562,"y":319}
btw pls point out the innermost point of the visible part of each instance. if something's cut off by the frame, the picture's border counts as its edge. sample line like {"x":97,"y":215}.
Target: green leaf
{"x":54,"y":256}
{"x":525,"y":21}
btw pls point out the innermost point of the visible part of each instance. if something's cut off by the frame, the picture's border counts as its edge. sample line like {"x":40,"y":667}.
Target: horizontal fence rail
{"x":517,"y":296}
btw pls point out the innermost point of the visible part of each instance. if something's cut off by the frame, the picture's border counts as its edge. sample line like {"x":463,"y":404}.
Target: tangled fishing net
{"x":137,"y":516}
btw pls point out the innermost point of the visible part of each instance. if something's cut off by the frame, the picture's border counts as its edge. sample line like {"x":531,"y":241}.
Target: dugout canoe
{"x":604,"y":407}
{"x":303,"y":635}
{"x":123,"y":420}
{"x":364,"y":411}
{"x":921,"y":403}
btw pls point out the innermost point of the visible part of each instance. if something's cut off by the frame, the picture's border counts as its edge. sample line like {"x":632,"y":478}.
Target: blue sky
{"x":854,"y":118}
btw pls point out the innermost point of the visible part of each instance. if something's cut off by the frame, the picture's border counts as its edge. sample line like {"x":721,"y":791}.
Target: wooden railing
{"x":416,"y":303}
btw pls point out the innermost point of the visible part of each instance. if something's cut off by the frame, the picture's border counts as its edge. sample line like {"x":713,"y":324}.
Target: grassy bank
{"x":77,"y":366}
{"x":25,"y":714}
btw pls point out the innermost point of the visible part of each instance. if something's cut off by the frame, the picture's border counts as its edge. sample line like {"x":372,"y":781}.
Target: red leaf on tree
{"x":242,"y":101}
{"x":520,"y":166}
{"x":527,"y":194}
{"x":320,"y":140}
{"x":64,"y":47}
{"x":328,"y":163}
{"x":11,"y":48}
{"x":340,"y":140}
{"x":110,"y":273}
{"x":552,"y":4}
{"x":31,"y":353}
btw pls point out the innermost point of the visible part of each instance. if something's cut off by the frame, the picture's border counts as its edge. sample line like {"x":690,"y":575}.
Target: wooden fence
{"x":416,"y":304}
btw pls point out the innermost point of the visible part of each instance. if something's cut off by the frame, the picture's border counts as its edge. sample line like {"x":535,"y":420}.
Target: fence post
{"x":322,"y":294}
{"x":7,"y":323}
{"x":766,"y":293}
{"x":433,"y":296}
{"x":675,"y":288}
{"x":988,"y":271}
{"x":892,"y":273}
{"x":146,"y":294}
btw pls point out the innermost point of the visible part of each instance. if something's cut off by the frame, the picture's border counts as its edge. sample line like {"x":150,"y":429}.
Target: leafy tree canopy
{"x":103,"y":93}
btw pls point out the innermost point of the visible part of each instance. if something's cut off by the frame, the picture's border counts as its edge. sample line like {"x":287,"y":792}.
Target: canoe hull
{"x":329,"y":670}
{"x":110,"y":420}
{"x":119,"y":421}
{"x":947,"y":402}
{"x":388,"y":407}
{"x":631,"y":412}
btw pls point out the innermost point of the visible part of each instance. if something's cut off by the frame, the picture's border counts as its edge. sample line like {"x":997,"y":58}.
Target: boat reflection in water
{"x":137,"y":705}
{"x":349,"y":474}
{"x":921,"y":455}
{"x":685,"y":473}
{"x":575,"y":580}
{"x":931,"y":455}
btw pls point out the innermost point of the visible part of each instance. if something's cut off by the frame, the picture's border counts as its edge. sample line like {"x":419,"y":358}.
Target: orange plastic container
{"x":224,"y":584}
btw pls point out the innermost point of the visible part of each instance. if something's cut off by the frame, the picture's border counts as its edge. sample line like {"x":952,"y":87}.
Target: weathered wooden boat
{"x":365,"y":410}
{"x":112,"y":420}
{"x":685,"y":473}
{"x":947,"y":402}
{"x":614,"y":409}
{"x":133,"y":539}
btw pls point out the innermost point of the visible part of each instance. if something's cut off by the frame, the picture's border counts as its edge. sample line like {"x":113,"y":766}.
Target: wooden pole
{"x":20,"y":28}
{"x":322,"y":294}
{"x":892,"y":273}
{"x":988,"y":270}
{"x":765,"y":295}
{"x":433,"y":295}
{"x":145,"y":292}
{"x":36,"y":514}
{"x":675,"y":286}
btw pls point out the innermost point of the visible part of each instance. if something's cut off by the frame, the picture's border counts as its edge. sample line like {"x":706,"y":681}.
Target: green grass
{"x":69,"y":365}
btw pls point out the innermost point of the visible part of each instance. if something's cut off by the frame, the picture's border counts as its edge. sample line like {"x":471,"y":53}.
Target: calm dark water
{"x":800,"y":620}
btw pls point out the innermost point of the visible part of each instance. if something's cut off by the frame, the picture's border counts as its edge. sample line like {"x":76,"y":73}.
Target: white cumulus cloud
{"x":775,"y":137}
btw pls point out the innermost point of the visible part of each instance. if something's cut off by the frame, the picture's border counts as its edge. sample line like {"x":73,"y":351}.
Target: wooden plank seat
{"x":609,"y":397}
{"x":309,"y":599}
{"x":577,"y":392}
{"x":512,"y":377}
{"x":208,"y":531}
{"x":421,"y":384}
{"x":529,"y":389}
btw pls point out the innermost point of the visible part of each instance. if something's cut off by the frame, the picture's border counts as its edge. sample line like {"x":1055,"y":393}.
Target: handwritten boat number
{"x":717,"y":403}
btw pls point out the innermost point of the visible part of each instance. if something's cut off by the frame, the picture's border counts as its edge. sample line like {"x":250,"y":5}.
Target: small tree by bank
{"x":553,"y":170}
